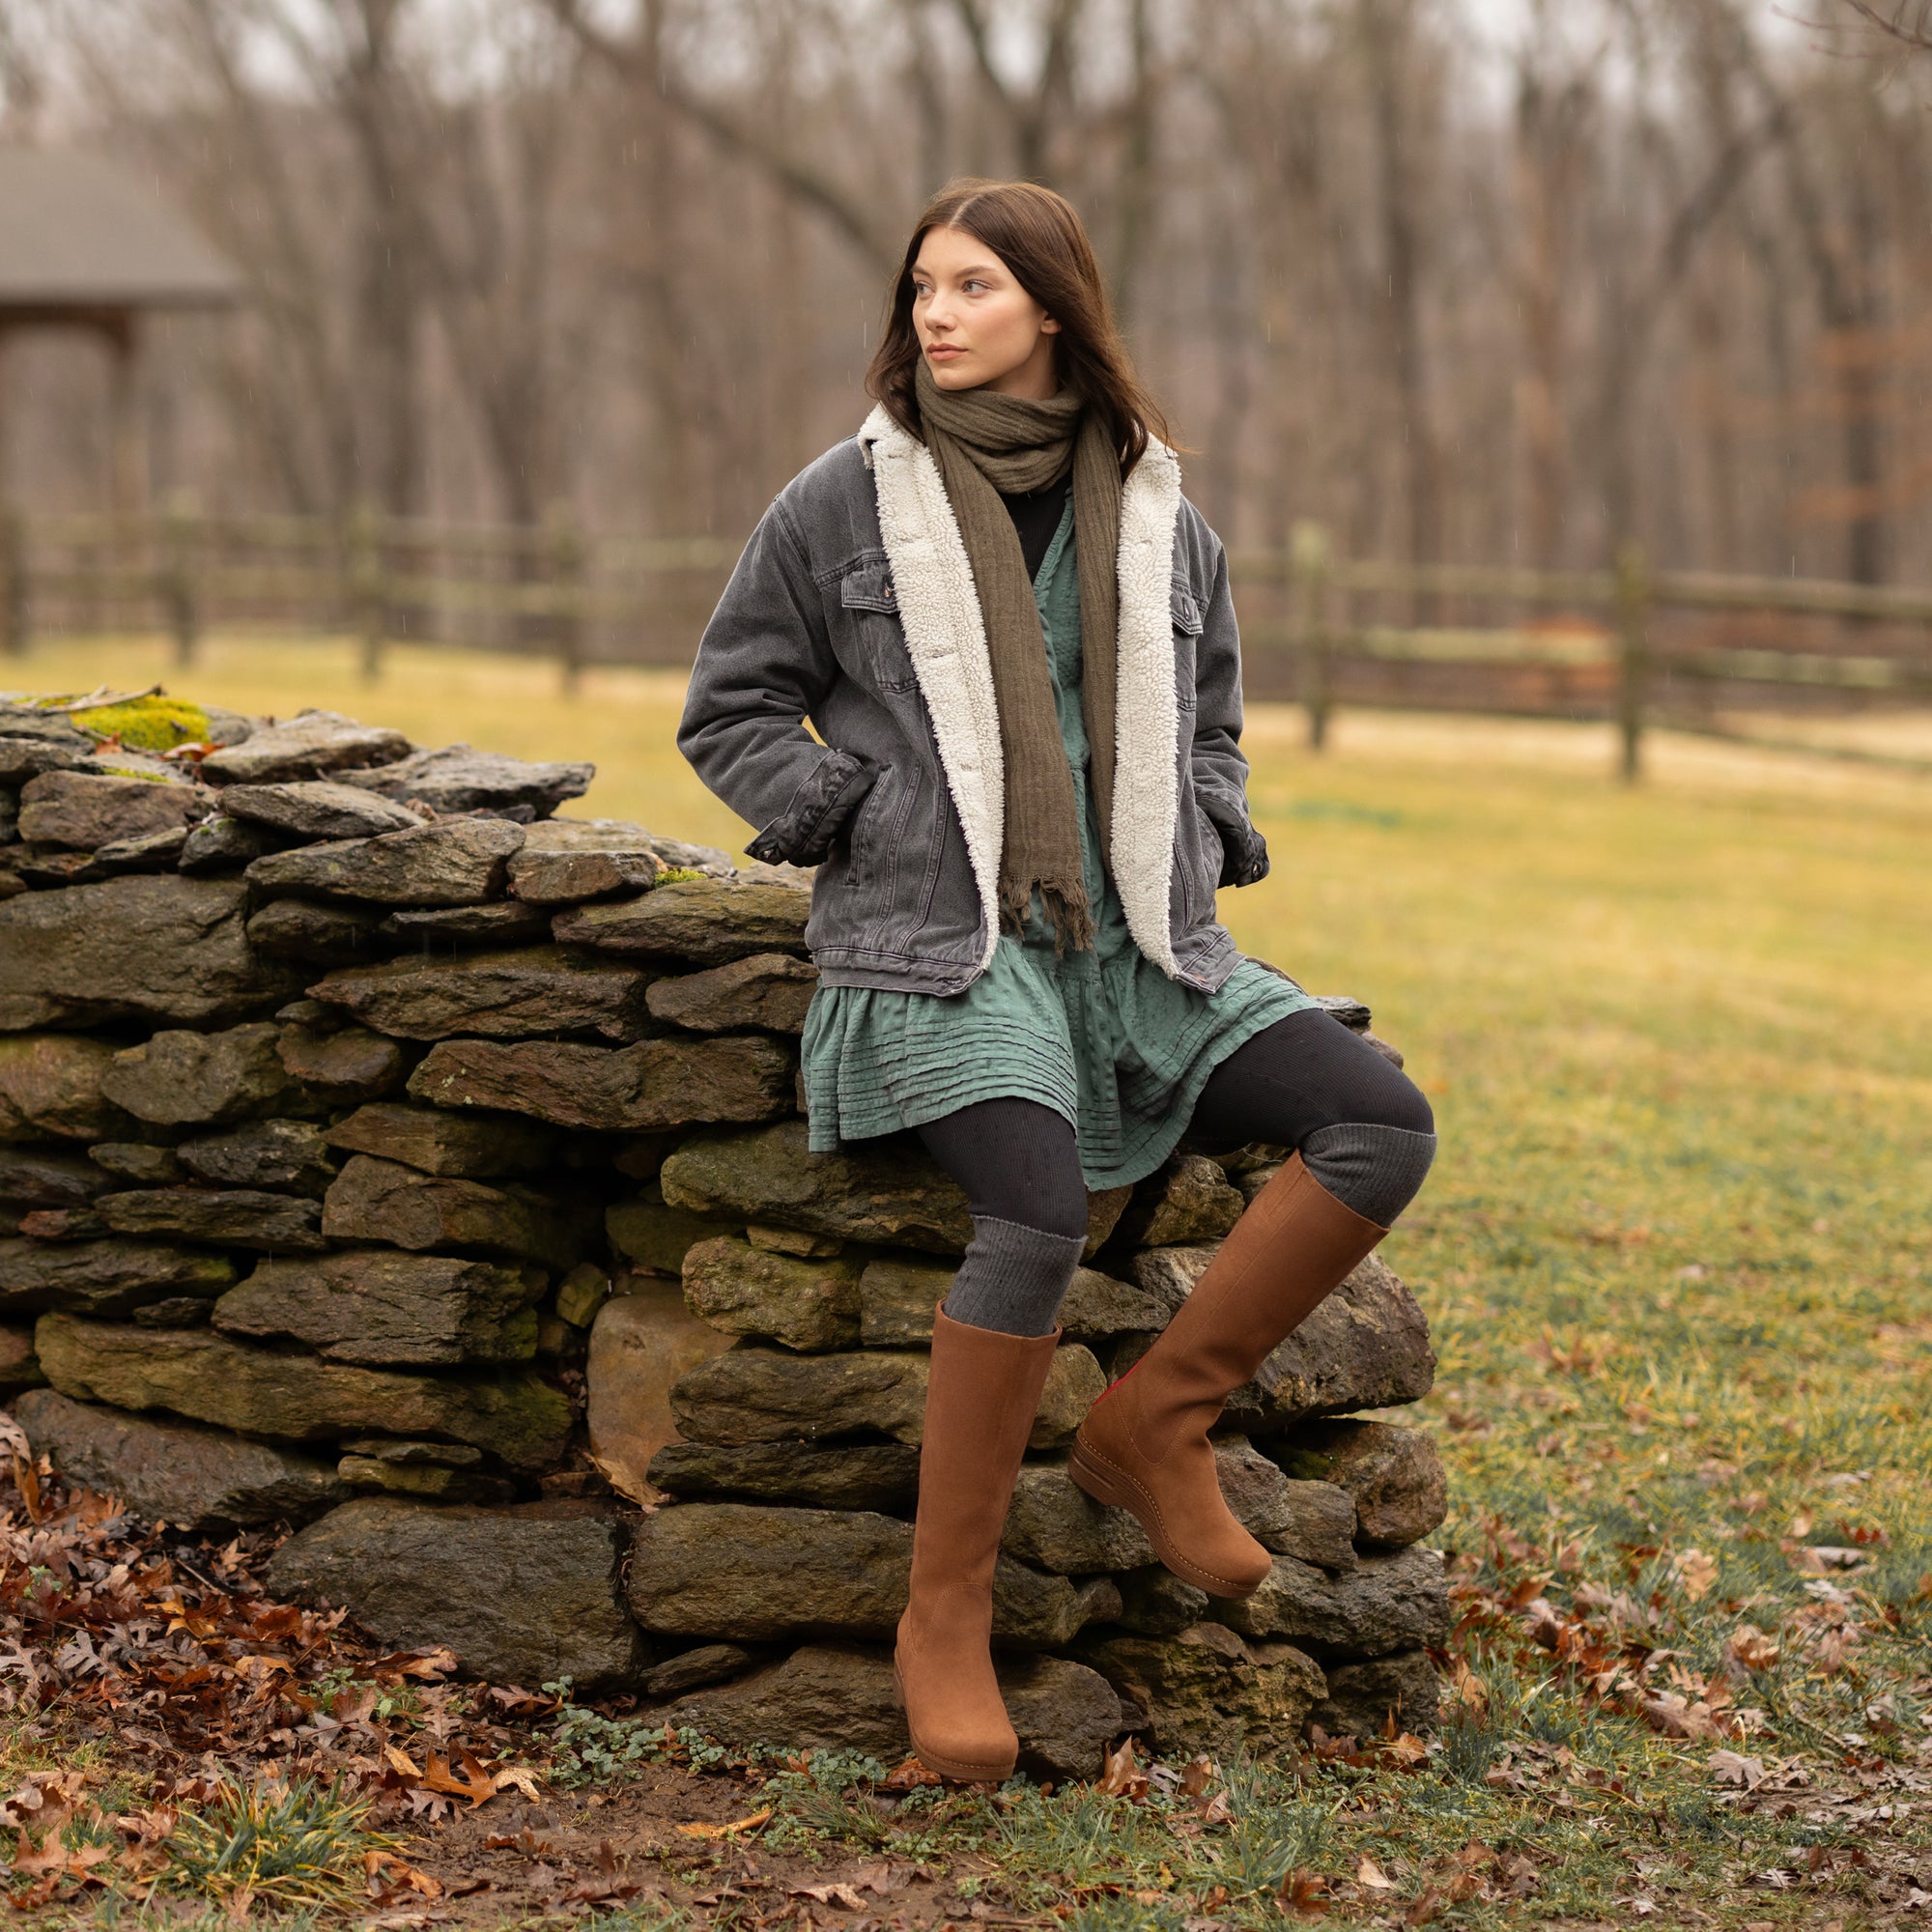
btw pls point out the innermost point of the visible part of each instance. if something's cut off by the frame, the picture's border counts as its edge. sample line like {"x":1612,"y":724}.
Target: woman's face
{"x":977,"y":329}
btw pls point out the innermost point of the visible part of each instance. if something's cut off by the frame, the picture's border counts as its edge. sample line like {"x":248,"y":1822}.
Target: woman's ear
{"x":1048,"y":327}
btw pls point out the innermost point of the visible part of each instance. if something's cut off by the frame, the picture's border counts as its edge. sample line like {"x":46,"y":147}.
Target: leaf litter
{"x":198,"y":1705}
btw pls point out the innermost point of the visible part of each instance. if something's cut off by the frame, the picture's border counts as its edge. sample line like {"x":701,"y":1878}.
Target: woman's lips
{"x":944,"y":352}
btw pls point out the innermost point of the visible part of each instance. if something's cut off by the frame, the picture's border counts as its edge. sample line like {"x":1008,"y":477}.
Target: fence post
{"x":368,"y":612}
{"x":565,"y":548}
{"x":14,"y":605}
{"x":1632,"y":655}
{"x":1308,"y":564}
{"x":176,"y":584}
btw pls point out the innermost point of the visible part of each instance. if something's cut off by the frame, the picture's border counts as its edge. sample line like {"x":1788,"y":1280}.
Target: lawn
{"x":1677,"y":1252}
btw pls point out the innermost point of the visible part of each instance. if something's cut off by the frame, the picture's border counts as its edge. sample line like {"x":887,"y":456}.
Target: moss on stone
{"x":156,"y":723}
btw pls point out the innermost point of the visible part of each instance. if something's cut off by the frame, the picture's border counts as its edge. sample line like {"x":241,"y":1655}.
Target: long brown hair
{"x":1039,"y":236}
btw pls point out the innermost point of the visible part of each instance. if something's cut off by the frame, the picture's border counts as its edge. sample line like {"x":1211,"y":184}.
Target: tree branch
{"x":1918,"y":36}
{"x":804,"y":183}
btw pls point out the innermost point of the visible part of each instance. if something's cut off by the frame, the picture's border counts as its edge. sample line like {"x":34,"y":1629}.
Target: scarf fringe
{"x":1065,"y":905}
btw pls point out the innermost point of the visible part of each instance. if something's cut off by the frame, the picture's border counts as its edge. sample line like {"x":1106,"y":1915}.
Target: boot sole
{"x":957,"y":1769}
{"x":1106,"y":1483}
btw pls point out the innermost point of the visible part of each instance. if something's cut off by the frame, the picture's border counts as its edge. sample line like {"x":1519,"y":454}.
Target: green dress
{"x":1102,"y":1037}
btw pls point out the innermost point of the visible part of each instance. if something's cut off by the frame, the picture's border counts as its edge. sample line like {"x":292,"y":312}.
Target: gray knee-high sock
{"x":1012,"y":1278}
{"x":1375,"y":1171}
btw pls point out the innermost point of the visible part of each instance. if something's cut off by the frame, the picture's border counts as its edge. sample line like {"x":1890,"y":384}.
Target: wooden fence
{"x":1634,"y":626}
{"x":1643,"y":647}
{"x":380,"y":580}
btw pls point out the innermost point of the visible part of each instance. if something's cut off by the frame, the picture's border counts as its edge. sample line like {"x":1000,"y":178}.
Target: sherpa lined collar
{"x":939,"y":611}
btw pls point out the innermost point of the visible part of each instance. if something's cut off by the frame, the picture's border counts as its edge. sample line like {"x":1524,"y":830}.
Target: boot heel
{"x":1101,"y":1483}
{"x":1108,"y":1486}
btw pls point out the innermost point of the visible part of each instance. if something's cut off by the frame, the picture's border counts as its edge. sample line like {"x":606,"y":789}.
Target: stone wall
{"x":383,"y":1153}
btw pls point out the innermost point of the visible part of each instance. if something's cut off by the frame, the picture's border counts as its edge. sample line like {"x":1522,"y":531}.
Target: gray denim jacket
{"x":853,"y":606}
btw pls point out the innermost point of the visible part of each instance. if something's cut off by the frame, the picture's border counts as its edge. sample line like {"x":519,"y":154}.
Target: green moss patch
{"x":151,"y":723}
{"x":148,"y":724}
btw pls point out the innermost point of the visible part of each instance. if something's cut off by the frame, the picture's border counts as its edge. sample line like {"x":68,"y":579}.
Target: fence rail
{"x":1628,"y":639}
{"x":1629,"y":644}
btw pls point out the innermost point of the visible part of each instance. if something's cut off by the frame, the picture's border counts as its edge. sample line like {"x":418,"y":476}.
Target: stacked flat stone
{"x":383,"y":1152}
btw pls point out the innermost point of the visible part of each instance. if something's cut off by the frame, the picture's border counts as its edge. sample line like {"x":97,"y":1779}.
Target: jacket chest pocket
{"x":867,"y":591}
{"x":1187,"y":622}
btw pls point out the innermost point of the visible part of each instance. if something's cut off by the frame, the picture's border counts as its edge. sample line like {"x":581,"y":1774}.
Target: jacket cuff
{"x":1244,"y":854}
{"x":804,"y":833}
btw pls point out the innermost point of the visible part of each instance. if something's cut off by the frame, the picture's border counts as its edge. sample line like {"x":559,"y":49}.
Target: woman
{"x":1014,"y":637}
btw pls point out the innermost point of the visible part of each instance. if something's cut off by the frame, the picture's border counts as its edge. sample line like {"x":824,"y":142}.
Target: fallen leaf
{"x":432,"y":1666}
{"x":1696,"y":1572}
{"x":1729,"y":1768}
{"x":1818,"y":1559}
{"x":1372,"y":1875}
{"x":474,"y":1784}
{"x":389,"y":1875}
{"x":1675,"y":1716}
{"x":522,"y":1777}
{"x":1469,"y":1688}
{"x":1120,"y":1777}
{"x":1303,"y":1892}
{"x":881,"y":1878}
{"x":1546,"y":1627}
{"x":1427,"y":1908}
{"x":36,"y":1895}
{"x":599,"y":1892}
{"x":836,"y":1892}
{"x":1752,"y":1648}
{"x":1523,"y":1876}
{"x":730,"y":1831}
{"x":49,"y":1853}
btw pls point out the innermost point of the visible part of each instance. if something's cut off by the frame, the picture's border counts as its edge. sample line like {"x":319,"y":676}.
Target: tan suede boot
{"x":1144,"y":1445}
{"x":979,"y":1407}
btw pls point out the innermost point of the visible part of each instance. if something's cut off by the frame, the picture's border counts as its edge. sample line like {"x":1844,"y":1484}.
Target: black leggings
{"x":1362,"y":1126}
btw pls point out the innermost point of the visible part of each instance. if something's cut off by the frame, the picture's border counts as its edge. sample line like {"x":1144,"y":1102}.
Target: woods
{"x":1465,"y":285}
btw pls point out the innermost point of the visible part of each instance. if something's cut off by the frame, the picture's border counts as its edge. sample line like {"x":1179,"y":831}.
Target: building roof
{"x":80,"y":232}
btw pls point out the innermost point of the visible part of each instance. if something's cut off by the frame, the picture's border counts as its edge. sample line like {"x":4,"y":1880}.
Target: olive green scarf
{"x":983,"y":443}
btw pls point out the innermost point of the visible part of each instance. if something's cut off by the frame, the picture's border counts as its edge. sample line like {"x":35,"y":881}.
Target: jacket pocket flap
{"x":869,"y":587}
{"x":1186,"y":611}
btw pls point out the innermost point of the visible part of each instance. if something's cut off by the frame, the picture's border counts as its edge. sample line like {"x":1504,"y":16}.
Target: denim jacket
{"x":853,"y":606}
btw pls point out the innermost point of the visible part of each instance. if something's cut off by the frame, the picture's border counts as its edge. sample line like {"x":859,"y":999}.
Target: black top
{"x":1035,"y":515}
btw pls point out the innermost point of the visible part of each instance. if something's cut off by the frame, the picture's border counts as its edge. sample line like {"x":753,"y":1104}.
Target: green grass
{"x":1675,"y":1252}
{"x":289,"y":1844}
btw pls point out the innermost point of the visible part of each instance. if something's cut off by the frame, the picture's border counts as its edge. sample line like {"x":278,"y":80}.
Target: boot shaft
{"x":982,"y":1396}
{"x":1292,"y":1247}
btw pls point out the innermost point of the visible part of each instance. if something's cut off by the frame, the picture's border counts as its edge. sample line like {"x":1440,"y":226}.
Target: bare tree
{"x":1553,"y":127}
{"x":1838,"y":246}
{"x":1909,"y":22}
{"x":1640,"y":269}
{"x":647,"y":60}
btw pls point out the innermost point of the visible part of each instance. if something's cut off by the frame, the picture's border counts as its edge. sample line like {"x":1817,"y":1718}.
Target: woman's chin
{"x":959,"y":375}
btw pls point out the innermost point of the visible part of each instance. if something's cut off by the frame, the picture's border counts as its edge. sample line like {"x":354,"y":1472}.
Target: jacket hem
{"x":1205,"y":967}
{"x":893,"y":972}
